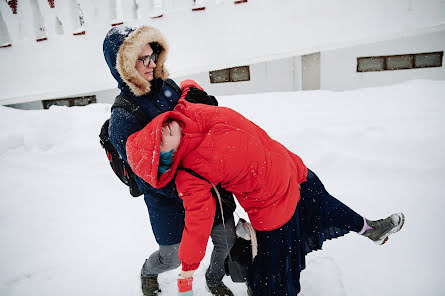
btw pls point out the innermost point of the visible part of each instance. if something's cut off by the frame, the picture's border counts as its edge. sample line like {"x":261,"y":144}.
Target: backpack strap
{"x":126,"y":103}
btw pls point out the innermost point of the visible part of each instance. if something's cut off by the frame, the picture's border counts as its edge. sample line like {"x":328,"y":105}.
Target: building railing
{"x":41,"y":19}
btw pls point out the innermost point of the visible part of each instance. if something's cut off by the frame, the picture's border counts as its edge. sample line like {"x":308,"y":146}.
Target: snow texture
{"x":69,"y":227}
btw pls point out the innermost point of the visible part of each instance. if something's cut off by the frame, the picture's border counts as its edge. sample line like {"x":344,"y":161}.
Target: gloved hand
{"x":186,"y":84}
{"x":185,"y":286}
{"x":193,"y":93}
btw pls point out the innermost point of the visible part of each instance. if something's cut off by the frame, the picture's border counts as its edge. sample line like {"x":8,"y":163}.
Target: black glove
{"x":196,"y":95}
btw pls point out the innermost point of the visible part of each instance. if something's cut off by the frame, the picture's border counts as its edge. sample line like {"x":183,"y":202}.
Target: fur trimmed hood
{"x":122,"y":46}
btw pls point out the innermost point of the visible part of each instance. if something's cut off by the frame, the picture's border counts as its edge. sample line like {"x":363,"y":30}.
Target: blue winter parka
{"x":121,"y":48}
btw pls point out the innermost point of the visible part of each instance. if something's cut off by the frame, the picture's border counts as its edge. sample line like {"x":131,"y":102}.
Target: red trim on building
{"x":51,"y":3}
{"x":240,"y":1}
{"x":80,"y":33}
{"x":6,"y":45}
{"x":13,"y":5}
{"x":41,"y":39}
{"x":198,"y":8}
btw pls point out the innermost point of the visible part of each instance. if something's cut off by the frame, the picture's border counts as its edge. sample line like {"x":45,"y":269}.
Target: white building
{"x":53,"y":49}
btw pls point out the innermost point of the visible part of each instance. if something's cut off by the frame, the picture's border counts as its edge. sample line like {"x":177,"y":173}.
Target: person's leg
{"x":327,"y":208}
{"x":223,"y":240}
{"x":338,"y":218}
{"x":164,"y":259}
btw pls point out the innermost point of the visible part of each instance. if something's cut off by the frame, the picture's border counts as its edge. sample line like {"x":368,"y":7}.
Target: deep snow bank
{"x":68,"y":227}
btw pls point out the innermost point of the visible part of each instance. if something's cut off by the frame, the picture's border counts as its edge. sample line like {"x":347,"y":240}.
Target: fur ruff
{"x":129,"y":52}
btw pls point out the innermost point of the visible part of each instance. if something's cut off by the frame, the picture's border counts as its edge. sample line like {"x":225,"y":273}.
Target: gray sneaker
{"x":150,"y":285}
{"x":382,"y":229}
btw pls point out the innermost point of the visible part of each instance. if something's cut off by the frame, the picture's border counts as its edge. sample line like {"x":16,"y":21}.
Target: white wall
{"x":223,"y":35}
{"x":277,"y":75}
{"x":102,"y":96}
{"x":34,"y":105}
{"x":339,"y":67}
{"x":106,"y":96}
{"x":336,"y":69}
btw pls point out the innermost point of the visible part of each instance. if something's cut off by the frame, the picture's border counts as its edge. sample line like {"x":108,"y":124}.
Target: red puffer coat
{"x":224,"y":147}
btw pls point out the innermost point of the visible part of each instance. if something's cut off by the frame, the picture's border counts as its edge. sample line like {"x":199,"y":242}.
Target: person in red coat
{"x":287,"y":204}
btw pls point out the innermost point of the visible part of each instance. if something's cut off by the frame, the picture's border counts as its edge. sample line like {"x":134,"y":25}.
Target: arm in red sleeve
{"x":199,"y":206}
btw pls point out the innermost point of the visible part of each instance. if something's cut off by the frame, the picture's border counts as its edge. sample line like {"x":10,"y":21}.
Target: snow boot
{"x":380,"y":230}
{"x":220,"y":290}
{"x":150,"y":285}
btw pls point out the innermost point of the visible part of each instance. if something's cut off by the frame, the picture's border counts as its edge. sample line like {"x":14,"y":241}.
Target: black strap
{"x":192,"y":172}
{"x":224,"y":200}
{"x":126,"y":103}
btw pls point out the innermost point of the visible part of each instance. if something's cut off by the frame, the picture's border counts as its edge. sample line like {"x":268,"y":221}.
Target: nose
{"x":152,"y":64}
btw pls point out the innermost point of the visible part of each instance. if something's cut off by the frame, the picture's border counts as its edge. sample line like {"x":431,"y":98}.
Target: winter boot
{"x":150,"y":285}
{"x":220,"y":290}
{"x":380,"y":230}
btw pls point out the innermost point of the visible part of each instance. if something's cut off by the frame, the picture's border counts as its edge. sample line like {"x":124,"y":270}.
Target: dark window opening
{"x":433,"y":59}
{"x":234,"y":74}
{"x":400,"y":62}
{"x":69,"y":102}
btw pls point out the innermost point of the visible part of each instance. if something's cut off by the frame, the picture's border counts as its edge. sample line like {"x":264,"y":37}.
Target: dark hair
{"x":157,"y":48}
{"x":165,"y":160}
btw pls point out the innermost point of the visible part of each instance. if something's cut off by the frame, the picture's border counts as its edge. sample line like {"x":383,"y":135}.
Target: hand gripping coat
{"x":225,"y":148}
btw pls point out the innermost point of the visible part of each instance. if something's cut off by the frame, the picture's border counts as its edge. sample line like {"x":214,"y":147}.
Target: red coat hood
{"x":143,"y":146}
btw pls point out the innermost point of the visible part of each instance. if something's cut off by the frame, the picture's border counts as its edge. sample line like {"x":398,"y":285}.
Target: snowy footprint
{"x":322,"y":276}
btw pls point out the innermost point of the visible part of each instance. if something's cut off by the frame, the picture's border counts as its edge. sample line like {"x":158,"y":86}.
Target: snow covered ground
{"x":69,"y":227}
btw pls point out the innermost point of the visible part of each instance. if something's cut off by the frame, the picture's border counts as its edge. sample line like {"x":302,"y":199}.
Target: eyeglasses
{"x":146,"y":60}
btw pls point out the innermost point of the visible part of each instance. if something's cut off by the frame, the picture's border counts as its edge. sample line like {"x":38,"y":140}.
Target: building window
{"x":424,"y":60}
{"x":400,"y":62}
{"x":234,"y":74}
{"x":69,"y":102}
{"x":220,"y":76}
{"x":370,"y":64}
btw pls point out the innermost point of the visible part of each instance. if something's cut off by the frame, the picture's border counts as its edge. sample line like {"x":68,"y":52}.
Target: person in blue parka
{"x":136,"y":57}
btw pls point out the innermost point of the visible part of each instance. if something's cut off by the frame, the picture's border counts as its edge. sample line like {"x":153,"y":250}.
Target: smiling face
{"x":146,"y":71}
{"x":171,"y":134}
